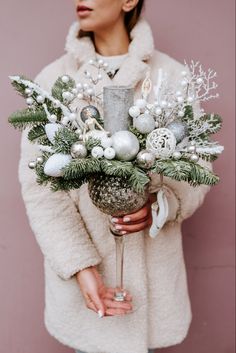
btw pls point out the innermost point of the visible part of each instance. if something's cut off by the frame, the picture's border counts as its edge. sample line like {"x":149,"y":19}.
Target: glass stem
{"x":119,"y":267}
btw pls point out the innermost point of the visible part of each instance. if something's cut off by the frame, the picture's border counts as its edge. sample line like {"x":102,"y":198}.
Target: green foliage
{"x":27,"y":117}
{"x":19,"y":87}
{"x":185,"y":170}
{"x":36,"y":132}
{"x":189,"y":114}
{"x":138,"y":180}
{"x":92,"y":142}
{"x":116,"y":168}
{"x":63,"y":140}
{"x":59,"y":87}
{"x":79,"y":168}
{"x":62,"y":184}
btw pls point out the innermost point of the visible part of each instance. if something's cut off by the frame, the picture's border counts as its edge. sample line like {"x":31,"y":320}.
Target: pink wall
{"x":31,"y":35}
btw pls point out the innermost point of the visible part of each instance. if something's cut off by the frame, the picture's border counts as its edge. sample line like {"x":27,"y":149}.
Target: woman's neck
{"x":112,"y":41}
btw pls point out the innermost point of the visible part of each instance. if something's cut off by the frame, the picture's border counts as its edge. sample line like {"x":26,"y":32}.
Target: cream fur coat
{"x":72,"y":234}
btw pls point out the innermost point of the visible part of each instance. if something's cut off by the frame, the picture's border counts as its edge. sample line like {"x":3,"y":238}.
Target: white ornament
{"x":134,"y":111}
{"x":144,"y":123}
{"x":194,"y":158}
{"x":29,"y":101}
{"x":28,"y":91}
{"x":39,"y":160}
{"x":126,"y":145}
{"x":141,"y":104}
{"x":51,"y":130}
{"x":106,"y":142}
{"x":73,"y":116}
{"x":158,"y":111}
{"x":52,"y":118}
{"x":55,"y":163}
{"x":79,"y":86}
{"x":40,"y":99}
{"x":192,"y":149}
{"x":65,"y":79}
{"x":91,"y":62}
{"x":176,"y":155}
{"x":56,"y":103}
{"x":97,"y":152}
{"x":32,"y":164}
{"x":161,"y":142}
{"x":109,"y":153}
{"x":74,"y":91}
{"x":181,"y":113}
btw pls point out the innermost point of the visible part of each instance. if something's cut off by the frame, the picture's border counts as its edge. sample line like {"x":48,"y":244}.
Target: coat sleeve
{"x":58,"y":227}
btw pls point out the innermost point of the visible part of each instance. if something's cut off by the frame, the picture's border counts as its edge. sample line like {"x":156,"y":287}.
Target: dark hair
{"x":131,"y":18}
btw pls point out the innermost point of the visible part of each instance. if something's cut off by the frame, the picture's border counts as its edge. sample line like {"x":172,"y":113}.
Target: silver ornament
{"x":56,"y":103}
{"x":194,"y":158}
{"x":78,"y":150}
{"x":39,"y":160}
{"x":109,"y":153}
{"x":144,"y":123}
{"x":114,"y":196}
{"x":65,"y":79}
{"x":192,"y":149}
{"x":32,"y":164}
{"x":134,"y":111}
{"x":40,"y":99}
{"x":126,"y":145}
{"x":146,"y":159}
{"x":97,"y":152}
{"x":28,"y":91}
{"x":179,"y":129}
{"x":29,"y":101}
{"x":176,"y":155}
{"x":89,"y":111}
{"x":161,"y":142}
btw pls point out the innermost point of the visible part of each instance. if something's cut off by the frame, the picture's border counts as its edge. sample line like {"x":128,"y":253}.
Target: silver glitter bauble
{"x":32,"y":164}
{"x":78,"y":150}
{"x":89,"y":112}
{"x":126,"y":145}
{"x":114,"y":196}
{"x":161,"y":142}
{"x":179,"y":129}
{"x":146,"y":159}
{"x":144,"y":123}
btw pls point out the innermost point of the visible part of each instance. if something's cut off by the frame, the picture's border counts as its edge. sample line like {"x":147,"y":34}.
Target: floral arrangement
{"x":167,"y":136}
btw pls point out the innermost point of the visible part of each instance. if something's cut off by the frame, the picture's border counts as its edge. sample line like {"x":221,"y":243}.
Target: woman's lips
{"x":83,"y":10}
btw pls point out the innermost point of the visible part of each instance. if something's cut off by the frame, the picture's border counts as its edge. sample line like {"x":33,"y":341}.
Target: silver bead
{"x":97,"y":152}
{"x":65,"y":79}
{"x":32,"y":164}
{"x":109,"y":153}
{"x":176,"y":155}
{"x":56,"y":103}
{"x":78,"y":150}
{"x":40,"y":99}
{"x":146,"y":159}
{"x":192,"y":149}
{"x":53,"y":118}
{"x":39,"y":160}
{"x":194,"y":158}
{"x":89,"y":111}
{"x":29,"y":101}
{"x":28,"y":91}
{"x":134,"y":111}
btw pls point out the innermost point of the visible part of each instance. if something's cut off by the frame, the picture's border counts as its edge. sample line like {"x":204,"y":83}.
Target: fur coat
{"x":73,"y":234}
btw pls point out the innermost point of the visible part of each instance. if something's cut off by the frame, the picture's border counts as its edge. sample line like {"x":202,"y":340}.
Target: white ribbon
{"x":160,"y":211}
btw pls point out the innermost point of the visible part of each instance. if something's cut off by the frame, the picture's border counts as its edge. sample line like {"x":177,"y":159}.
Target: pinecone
{"x":114,"y":196}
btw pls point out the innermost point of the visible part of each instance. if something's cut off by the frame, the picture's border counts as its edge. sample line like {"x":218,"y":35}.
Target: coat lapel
{"x":135,"y":66}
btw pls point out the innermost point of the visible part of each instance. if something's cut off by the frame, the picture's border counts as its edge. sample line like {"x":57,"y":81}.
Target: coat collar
{"x":134,"y":67}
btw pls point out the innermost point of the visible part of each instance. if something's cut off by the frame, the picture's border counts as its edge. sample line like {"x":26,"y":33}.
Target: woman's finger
{"x":115,"y":312}
{"x":112,"y":304}
{"x":136,"y":216}
{"x":131,"y":228}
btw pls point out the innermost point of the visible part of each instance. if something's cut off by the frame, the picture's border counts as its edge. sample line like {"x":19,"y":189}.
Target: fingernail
{"x":118,"y":227}
{"x":100,"y":314}
{"x":123,"y":232}
{"x":114,"y":220}
{"x":126,"y":219}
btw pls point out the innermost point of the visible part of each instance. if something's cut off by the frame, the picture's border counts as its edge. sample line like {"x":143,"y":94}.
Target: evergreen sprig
{"x":116,"y":168}
{"x":20,"y":87}
{"x":81,"y":167}
{"x":59,"y":87}
{"x":36,"y":132}
{"x":141,"y":137}
{"x":27,"y":117}
{"x":138,"y":180}
{"x":63,"y":140}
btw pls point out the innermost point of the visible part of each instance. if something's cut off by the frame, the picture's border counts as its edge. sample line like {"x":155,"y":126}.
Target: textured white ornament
{"x":106,"y":142}
{"x":144,"y":123}
{"x":161,"y":142}
{"x":134,"y":112}
{"x":55,"y":163}
{"x":126,"y":145}
{"x":109,"y":153}
{"x":51,"y":130}
{"x":97,"y":152}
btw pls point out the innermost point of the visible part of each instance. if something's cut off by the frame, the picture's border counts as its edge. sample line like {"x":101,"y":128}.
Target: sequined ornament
{"x":179,"y":129}
{"x":146,"y":159}
{"x":114,"y":196}
{"x":161,"y":142}
{"x":144,"y":123}
{"x":90,"y":111}
{"x":126,"y":145}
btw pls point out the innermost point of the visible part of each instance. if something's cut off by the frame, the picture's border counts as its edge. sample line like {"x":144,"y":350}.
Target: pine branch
{"x":138,"y":180}
{"x":92,"y":142}
{"x":36,"y":132}
{"x":189,"y":114}
{"x":81,"y":167}
{"x":117,"y":168}
{"x":60,"y":184}
{"x":63,"y":140}
{"x":213,"y":122}
{"x":59,"y":87}
{"x":23,"y":118}
{"x":19,"y":87}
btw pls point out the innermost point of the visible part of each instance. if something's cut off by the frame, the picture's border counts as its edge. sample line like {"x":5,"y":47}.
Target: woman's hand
{"x":98,"y":297}
{"x":135,"y":222}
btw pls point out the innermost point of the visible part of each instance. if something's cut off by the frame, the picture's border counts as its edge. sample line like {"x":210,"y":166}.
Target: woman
{"x":74,"y":236}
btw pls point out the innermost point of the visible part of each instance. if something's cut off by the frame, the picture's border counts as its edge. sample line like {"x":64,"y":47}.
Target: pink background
{"x":32,"y":35}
